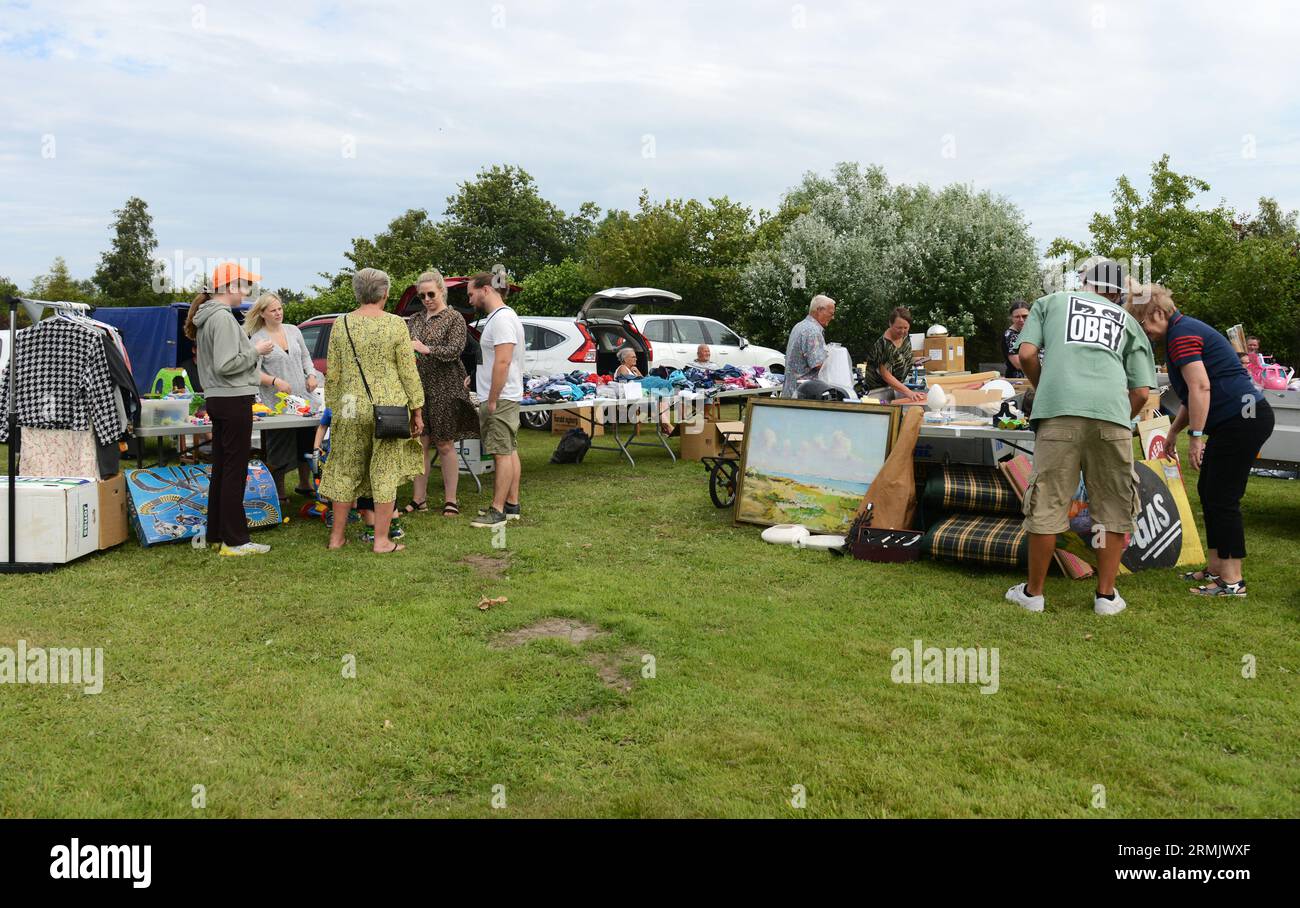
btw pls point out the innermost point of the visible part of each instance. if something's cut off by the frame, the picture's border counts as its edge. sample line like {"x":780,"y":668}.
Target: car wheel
{"x":536,"y":419}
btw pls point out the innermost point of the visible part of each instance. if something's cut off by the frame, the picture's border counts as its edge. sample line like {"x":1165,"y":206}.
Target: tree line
{"x":952,"y":255}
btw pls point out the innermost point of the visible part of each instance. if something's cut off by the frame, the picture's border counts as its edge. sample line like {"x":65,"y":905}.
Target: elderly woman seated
{"x":627,"y":370}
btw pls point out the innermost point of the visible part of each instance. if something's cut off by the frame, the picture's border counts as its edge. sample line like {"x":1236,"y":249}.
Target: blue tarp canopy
{"x":155,"y":339}
{"x":150,"y":334}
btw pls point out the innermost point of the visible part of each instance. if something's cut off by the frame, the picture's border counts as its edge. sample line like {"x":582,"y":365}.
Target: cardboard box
{"x":59,"y":518}
{"x":564,"y":420}
{"x":945,"y":354}
{"x":470,"y":450}
{"x":114,"y":521}
{"x":709,"y":441}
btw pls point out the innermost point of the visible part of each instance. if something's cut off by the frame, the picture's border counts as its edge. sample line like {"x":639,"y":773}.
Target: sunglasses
{"x":431,"y":295}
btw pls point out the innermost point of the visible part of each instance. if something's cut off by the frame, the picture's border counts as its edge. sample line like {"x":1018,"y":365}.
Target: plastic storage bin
{"x":173,"y":412}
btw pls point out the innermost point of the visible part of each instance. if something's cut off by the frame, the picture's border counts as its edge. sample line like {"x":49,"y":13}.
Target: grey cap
{"x":1105,"y":275}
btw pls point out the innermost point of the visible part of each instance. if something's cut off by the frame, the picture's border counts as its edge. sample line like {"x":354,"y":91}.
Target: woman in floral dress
{"x":438,"y":338}
{"x":359,"y":463}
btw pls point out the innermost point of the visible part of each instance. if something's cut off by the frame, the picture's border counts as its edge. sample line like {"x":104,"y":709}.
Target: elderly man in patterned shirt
{"x":806,"y":350}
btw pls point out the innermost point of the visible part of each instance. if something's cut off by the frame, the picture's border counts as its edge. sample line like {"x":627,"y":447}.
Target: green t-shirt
{"x":1094,"y":354}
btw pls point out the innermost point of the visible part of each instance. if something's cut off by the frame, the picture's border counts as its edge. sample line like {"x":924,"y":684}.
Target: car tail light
{"x":649,"y":351}
{"x":587,"y":352}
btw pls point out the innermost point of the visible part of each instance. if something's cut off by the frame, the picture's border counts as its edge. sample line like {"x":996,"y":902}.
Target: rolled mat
{"x":970,"y":490}
{"x":973,"y":539}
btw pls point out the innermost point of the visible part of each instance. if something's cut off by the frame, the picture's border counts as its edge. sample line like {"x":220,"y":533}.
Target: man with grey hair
{"x":805,"y":352}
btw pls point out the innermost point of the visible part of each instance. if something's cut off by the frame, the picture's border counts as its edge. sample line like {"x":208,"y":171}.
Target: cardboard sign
{"x":1164,"y":532}
{"x":1153,"y":434}
{"x":170,"y":504}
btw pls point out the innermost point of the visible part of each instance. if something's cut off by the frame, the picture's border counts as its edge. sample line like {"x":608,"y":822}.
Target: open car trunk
{"x":606,"y":315}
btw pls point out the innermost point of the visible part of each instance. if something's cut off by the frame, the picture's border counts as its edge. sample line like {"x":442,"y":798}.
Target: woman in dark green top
{"x":889,"y":360}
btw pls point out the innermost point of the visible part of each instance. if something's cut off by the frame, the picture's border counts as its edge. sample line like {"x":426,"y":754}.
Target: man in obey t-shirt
{"x":1093,"y":381}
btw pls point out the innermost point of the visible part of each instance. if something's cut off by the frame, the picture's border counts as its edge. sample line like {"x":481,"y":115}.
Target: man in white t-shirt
{"x":500,"y":383}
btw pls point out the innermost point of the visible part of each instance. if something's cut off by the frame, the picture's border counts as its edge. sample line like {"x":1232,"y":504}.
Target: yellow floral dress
{"x":360,"y":464}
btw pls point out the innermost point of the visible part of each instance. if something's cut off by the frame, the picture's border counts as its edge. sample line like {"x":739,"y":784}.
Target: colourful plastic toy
{"x":162,"y":382}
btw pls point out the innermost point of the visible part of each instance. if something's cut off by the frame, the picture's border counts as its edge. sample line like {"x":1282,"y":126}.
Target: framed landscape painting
{"x":810,"y":462}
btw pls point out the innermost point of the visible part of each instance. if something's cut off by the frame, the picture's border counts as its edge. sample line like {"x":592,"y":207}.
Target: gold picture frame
{"x":816,"y":466}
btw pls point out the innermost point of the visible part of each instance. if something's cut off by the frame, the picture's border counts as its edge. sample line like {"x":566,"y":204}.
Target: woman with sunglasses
{"x":438,"y":338}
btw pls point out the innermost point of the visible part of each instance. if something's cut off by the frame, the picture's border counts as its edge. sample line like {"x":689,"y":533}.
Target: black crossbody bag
{"x":390,"y":422}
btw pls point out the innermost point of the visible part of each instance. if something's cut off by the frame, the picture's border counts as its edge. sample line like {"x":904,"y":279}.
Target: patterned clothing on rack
{"x":62,"y":381}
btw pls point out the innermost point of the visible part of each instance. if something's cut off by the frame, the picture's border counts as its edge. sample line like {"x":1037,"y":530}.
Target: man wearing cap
{"x":1087,"y":391}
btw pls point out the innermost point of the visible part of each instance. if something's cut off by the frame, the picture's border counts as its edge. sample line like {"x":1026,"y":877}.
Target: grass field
{"x":771,"y":670}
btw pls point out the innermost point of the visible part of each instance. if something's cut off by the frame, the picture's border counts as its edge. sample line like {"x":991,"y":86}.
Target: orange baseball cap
{"x":227,"y":272}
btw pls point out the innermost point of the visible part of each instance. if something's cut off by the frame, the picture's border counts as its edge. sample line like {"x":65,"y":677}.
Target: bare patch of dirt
{"x":490,"y":567}
{"x":549,"y":629}
{"x":612,"y":668}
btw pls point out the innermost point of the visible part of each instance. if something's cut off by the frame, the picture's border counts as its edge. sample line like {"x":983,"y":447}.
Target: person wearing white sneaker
{"x":1094,"y":379}
{"x":1027,"y":602}
{"x":248,"y":548}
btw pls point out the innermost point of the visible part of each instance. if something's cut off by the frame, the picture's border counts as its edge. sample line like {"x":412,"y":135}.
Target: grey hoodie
{"x":227,"y":359}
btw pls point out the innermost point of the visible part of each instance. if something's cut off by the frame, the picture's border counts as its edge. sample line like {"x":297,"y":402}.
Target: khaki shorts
{"x":500,"y":430}
{"x":1103,"y":451}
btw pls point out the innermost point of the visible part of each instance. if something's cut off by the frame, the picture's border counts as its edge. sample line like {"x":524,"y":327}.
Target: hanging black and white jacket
{"x":62,"y":381}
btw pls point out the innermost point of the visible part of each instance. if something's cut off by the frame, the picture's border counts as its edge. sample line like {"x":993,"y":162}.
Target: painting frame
{"x":887,"y":418}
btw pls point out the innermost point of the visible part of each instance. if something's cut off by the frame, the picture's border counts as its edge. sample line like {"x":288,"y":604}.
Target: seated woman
{"x":628,"y":371}
{"x":889,"y":360}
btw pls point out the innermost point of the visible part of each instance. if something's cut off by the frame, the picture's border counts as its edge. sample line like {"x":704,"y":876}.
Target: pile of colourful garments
{"x":662,"y":382}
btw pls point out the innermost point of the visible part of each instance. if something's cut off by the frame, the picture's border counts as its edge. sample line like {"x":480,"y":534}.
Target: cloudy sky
{"x":282,"y":130}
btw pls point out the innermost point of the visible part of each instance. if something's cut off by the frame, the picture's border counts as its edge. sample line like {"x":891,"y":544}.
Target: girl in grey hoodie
{"x":227,"y":365}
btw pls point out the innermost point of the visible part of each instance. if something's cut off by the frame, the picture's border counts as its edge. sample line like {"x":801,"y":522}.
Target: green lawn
{"x":771,"y":670}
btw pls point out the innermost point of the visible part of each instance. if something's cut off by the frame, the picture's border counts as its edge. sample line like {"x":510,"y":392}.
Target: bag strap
{"x":364,"y":384}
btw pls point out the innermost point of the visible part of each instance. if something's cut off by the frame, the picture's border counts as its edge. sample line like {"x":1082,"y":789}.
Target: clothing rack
{"x":35,"y":309}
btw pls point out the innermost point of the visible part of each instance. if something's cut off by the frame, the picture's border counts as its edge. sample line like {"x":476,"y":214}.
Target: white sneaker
{"x":248,"y":548}
{"x":1027,"y":602}
{"x":1109,"y":606}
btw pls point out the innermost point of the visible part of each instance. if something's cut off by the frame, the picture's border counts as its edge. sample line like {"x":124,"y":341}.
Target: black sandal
{"x":449,"y":509}
{"x":416,"y":507}
{"x":1205,"y":572}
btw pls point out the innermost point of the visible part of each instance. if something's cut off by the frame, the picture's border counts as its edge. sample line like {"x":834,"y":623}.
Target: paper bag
{"x":893,"y":491}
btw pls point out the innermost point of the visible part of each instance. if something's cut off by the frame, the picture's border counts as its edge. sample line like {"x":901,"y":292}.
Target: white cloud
{"x":233,"y":132}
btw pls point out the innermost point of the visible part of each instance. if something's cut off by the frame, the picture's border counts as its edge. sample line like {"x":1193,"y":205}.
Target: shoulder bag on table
{"x":390,"y":421}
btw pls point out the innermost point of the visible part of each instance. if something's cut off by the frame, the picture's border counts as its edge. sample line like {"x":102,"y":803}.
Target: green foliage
{"x":954,"y":256}
{"x":8,"y":287}
{"x":411,"y":243}
{"x":694,"y":249}
{"x":128,"y":274}
{"x":58,"y":285}
{"x":1223,"y":267}
{"x":555,"y":290}
{"x":500,"y":218}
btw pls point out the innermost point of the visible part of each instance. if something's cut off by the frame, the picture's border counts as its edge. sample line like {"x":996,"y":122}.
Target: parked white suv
{"x":675,"y":338}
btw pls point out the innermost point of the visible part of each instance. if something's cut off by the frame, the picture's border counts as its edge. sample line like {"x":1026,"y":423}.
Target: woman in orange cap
{"x":227,"y":365}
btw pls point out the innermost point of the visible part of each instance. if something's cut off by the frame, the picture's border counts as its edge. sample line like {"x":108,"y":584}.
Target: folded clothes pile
{"x":663,"y":382}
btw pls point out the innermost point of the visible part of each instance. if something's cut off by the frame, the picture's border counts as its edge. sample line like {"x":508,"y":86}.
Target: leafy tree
{"x":411,"y":242}
{"x":953,"y":256}
{"x":694,"y":249}
{"x":555,"y":290}
{"x":500,"y":218}
{"x":128,"y":272}
{"x":8,"y":287}
{"x":58,"y":285}
{"x":1223,"y":267}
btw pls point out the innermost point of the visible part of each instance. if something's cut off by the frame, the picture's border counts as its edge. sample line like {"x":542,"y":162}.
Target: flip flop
{"x":414,"y":506}
{"x":397,"y":547}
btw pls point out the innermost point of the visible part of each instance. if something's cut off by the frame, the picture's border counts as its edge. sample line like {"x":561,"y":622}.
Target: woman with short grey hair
{"x":370,"y":363}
